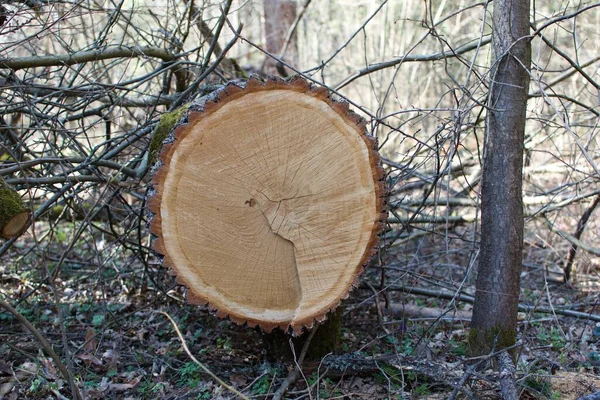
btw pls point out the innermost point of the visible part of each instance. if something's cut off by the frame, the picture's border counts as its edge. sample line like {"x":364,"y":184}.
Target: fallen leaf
{"x":89,"y":359}
{"x":111,"y":357}
{"x":5,"y":369}
{"x":238,"y":380}
{"x":91,"y":343}
{"x":121,"y":387}
{"x":48,"y":369}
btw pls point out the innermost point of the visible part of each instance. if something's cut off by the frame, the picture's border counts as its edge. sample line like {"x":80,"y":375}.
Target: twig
{"x":378,"y":307}
{"x":362,"y":27}
{"x":434,"y":219}
{"x":580,"y":227}
{"x":59,"y":179}
{"x":194,"y":86}
{"x":214,"y":43}
{"x":593,"y":396}
{"x":60,"y":160}
{"x":278,"y":395}
{"x":47,"y":347}
{"x":202,"y":366}
{"x":573,"y":240}
{"x":414,"y":58}
{"x":563,"y":18}
{"x":460,"y":386}
{"x":547,"y":201}
{"x":562,"y":77}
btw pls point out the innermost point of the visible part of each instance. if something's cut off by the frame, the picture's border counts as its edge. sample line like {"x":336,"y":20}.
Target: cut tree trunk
{"x":14,"y":216}
{"x":269,"y":198}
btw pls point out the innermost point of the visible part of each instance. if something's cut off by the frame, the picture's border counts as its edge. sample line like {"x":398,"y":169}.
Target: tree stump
{"x":269,"y":197}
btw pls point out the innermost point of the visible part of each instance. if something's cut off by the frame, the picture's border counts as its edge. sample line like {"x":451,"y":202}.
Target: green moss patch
{"x":166,"y":123}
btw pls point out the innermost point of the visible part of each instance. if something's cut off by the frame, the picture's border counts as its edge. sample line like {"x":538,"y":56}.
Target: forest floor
{"x":395,"y":344}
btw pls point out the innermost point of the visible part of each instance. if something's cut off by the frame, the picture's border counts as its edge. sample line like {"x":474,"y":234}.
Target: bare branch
{"x":415,"y":58}
{"x":86,"y":56}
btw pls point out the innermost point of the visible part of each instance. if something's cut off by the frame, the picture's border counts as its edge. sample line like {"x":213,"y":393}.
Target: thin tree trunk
{"x":279,"y":17}
{"x":497,"y":288}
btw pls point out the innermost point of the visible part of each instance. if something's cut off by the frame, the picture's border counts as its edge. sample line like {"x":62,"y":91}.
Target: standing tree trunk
{"x":497,"y":288}
{"x":279,"y":17}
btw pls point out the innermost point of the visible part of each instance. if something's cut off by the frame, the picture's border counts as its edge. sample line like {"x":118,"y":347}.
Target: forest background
{"x":84,"y":84}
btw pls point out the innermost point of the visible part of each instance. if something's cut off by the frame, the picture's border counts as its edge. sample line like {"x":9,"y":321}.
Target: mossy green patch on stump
{"x":166,"y":123}
{"x":483,"y":341}
{"x":14,"y":216}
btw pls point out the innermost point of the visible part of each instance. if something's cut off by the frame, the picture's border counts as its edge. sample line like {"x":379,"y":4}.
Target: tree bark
{"x":497,"y":288}
{"x":325,"y":340}
{"x":14,"y":215}
{"x":279,"y":17}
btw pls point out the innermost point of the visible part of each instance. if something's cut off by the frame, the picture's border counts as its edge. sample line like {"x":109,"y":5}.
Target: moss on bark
{"x":166,"y":123}
{"x":484,"y":341}
{"x":14,"y":215}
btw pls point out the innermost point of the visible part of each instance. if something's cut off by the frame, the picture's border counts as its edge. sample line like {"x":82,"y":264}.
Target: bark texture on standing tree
{"x":269,"y":201}
{"x":498,"y":280}
{"x":279,"y":17}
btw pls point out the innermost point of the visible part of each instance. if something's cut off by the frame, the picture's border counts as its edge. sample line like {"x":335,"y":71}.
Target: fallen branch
{"x":46,"y":346}
{"x":356,"y":364}
{"x":414,"y":311}
{"x":198,"y":363}
{"x":40,"y":211}
{"x":460,"y":386}
{"x":547,"y":201}
{"x":446,"y":294}
{"x":440,"y":219}
{"x":573,"y":240}
{"x":278,"y":395}
{"x":578,"y":232}
{"x":507,"y":370}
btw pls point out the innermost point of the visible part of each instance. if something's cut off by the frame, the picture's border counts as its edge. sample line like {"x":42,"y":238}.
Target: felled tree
{"x":269,"y":199}
{"x":14,"y":215}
